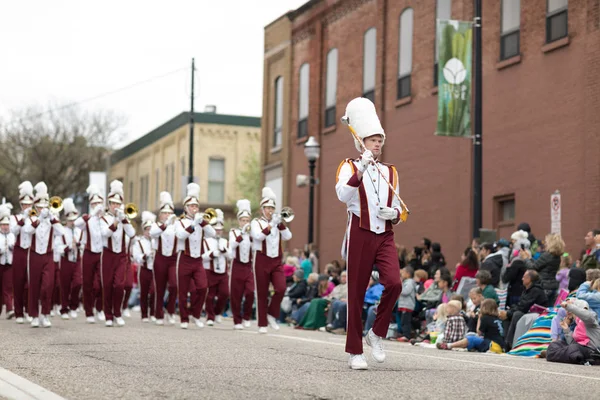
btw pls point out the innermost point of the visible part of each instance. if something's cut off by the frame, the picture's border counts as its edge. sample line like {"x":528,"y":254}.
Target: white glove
{"x":96,"y":210}
{"x":216,"y":253}
{"x":365,"y":160}
{"x":387,"y":213}
{"x":171,"y":219}
{"x":198,"y":218}
{"x":275,"y":220}
{"x":44,"y":213}
{"x":120,"y":214}
{"x":26,"y":212}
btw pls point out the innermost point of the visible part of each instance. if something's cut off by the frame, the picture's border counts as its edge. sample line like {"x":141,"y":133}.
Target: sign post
{"x":555,"y":211}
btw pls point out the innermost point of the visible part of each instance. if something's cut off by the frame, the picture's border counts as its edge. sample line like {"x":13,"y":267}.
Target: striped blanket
{"x":537,"y":337}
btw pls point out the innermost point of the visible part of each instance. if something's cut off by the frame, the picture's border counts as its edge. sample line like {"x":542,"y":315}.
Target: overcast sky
{"x":68,"y":51}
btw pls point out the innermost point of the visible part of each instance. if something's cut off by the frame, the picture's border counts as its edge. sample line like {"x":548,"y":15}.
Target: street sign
{"x":555,"y":212}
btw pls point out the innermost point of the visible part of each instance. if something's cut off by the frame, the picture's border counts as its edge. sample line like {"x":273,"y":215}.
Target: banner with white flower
{"x":455,"y":44}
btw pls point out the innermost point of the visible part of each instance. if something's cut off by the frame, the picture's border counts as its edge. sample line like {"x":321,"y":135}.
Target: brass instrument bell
{"x":56,"y":204}
{"x":210,"y":216}
{"x":131,"y":210}
{"x":287,"y":214}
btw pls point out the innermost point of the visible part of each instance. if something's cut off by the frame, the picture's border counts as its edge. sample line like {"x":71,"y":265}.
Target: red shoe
{"x":402,"y":339}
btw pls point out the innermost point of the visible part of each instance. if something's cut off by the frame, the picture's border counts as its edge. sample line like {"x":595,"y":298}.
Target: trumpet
{"x":287,"y":214}
{"x":246,"y":228}
{"x":56,"y":204}
{"x":33,"y":212}
{"x":210,"y":216}
{"x":131,"y":210}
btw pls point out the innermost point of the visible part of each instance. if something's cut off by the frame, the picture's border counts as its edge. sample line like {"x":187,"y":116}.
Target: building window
{"x":144,"y":183}
{"x":443,"y":12}
{"x":405,"y":53}
{"x":557,"y":23}
{"x":157,"y":187}
{"x":369,"y":63}
{"x":304,"y":84}
{"x":511,"y":23}
{"x":216,"y":181}
{"x":278,"y":120}
{"x":130,"y":194}
{"x":331,"y":87}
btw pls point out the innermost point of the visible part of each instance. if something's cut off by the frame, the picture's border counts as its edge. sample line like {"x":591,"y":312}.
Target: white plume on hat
{"x":220,"y":218}
{"x":5,"y":213}
{"x":116,"y":194}
{"x":193,"y":194}
{"x":94,"y":194}
{"x":166,"y":201}
{"x":69,"y":209}
{"x":363,"y":118}
{"x":148,"y":219}
{"x":244,"y":208}
{"x":268,"y":197}
{"x":41,"y":194}
{"x":26,"y":192}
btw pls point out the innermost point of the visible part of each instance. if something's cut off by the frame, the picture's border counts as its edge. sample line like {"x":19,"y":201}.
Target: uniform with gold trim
{"x":216,"y":259}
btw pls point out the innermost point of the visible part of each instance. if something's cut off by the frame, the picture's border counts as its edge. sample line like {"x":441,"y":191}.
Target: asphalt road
{"x":79,"y":361}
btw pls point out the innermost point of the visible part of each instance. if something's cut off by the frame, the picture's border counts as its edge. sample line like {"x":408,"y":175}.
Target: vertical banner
{"x":455,"y":45}
{"x":555,"y":212}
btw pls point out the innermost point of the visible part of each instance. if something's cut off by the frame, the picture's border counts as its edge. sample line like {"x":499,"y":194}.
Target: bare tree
{"x":59,"y":146}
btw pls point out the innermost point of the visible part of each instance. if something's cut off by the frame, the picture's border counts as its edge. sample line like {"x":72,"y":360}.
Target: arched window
{"x":331,"y":87}
{"x":405,"y":53}
{"x":369,"y":63}
{"x":303,"y":100}
{"x":278,"y":115}
{"x":443,"y":11}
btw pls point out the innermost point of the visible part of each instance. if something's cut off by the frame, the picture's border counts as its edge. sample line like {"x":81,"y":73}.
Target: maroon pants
{"x":41,"y":283}
{"x":218,"y":286}
{"x":365,"y":250}
{"x":6,"y":284}
{"x":242,"y":287}
{"x":56,"y":292}
{"x":128,"y":283}
{"x":165,"y":271}
{"x":146,"y":282}
{"x":70,"y":285}
{"x":190,"y":270}
{"x":20,"y":287}
{"x":268,"y":270}
{"x":92,"y":287}
{"x":112,"y":276}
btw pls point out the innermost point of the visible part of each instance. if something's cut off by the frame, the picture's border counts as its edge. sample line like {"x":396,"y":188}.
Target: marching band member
{"x":115,"y":226}
{"x":268,"y":232}
{"x":7,"y":244}
{"x":93,"y":244}
{"x":20,"y":252}
{"x":58,"y":249}
{"x":143,"y":255}
{"x":215,"y":257}
{"x":190,"y":232}
{"x":70,"y":271}
{"x":163,"y":233}
{"x":242,"y":278}
{"x":42,"y":230}
{"x":369,"y":239}
{"x":129,"y":273}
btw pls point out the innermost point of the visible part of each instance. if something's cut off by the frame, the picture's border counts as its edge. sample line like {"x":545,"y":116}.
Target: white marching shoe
{"x":153,"y":318}
{"x":238,"y":327}
{"x":108,"y":323}
{"x":35,"y":323}
{"x":247,"y":324}
{"x":28,"y":318}
{"x":376,"y":344}
{"x":45,"y":321}
{"x":184,"y":325}
{"x":263,"y":329}
{"x":52,"y":312}
{"x":171,"y":319}
{"x":145,"y":320}
{"x":210,"y":322}
{"x":199,"y":323}
{"x":90,"y":320}
{"x":272,"y":322}
{"x":358,"y":362}
{"x":20,"y":320}
{"x":126,"y":313}
{"x":64,"y":316}
{"x":160,"y":322}
{"x":120,"y":321}
{"x":101,"y":316}
{"x":219,"y":319}
{"x":73,"y":314}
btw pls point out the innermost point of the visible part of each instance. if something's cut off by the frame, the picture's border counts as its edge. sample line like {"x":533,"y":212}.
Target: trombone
{"x":56,"y":204}
{"x":287,"y":214}
{"x":210,"y":216}
{"x":131,"y":210}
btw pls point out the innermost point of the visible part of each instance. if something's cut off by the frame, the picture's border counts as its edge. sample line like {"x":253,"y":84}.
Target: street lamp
{"x":312,"y":150}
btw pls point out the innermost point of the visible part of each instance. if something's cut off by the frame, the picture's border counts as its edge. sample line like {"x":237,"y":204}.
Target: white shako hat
{"x":148,"y":219}
{"x":362,"y":116}
{"x":220,"y":219}
{"x":94,"y":194}
{"x":26,"y":193}
{"x":41,"y":198}
{"x":116,"y":194}
{"x":166,"y":202}
{"x":5,"y":210}
{"x":69,"y":209}
{"x":244,"y":208}
{"x":268,"y":197}
{"x":193,"y":194}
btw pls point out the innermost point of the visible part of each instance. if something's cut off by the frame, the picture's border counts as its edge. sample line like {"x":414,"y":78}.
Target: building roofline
{"x":176,"y":123}
{"x":292,"y":14}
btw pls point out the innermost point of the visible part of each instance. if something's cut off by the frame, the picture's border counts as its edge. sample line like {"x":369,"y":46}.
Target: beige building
{"x":158,"y":161}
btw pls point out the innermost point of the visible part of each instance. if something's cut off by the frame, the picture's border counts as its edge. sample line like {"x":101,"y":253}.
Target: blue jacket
{"x":374,"y":293}
{"x":592,"y":297}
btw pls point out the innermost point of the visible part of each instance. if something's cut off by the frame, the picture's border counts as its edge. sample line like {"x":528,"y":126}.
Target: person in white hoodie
{"x":7,"y":245}
{"x":144,"y":254}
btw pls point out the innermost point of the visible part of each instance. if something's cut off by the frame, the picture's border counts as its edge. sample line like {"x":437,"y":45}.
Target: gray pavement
{"x":79,"y":361}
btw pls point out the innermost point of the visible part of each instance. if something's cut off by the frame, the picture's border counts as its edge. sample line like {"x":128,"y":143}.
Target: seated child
{"x":456,"y":327}
{"x":438,"y":325}
{"x":476,"y":296}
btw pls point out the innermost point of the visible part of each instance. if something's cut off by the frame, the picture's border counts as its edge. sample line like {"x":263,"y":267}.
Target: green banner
{"x":454,"y":44}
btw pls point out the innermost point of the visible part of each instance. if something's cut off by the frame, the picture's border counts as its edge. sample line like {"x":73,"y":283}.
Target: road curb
{"x":13,"y":386}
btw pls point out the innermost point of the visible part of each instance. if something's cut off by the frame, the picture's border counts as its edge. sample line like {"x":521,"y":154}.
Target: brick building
{"x":541,"y":96}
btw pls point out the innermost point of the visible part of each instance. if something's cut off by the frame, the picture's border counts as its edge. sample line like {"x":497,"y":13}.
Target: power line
{"x":106,"y":93}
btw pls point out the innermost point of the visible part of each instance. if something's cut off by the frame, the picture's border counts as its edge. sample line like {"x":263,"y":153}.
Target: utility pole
{"x":477,"y":140}
{"x":191,"y":155}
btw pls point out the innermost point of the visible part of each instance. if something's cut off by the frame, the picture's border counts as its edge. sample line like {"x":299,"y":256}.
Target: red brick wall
{"x":540,"y":121}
